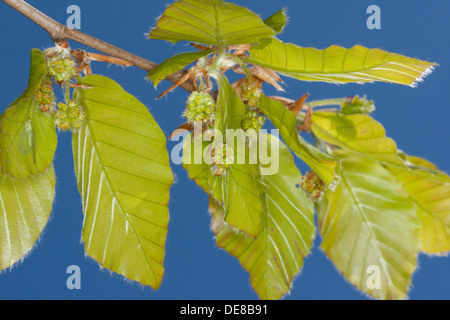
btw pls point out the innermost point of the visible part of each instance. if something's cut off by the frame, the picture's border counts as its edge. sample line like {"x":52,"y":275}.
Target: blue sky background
{"x":418,"y":119}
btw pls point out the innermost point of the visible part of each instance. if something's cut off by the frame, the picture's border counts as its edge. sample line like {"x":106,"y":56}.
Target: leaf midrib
{"x":367,"y":226}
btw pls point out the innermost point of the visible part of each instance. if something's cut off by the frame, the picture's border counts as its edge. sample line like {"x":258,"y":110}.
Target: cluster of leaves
{"x":375,"y":204}
{"x":121,"y":165}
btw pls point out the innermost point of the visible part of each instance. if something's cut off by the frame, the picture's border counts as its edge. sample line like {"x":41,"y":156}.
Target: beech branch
{"x":59,"y":32}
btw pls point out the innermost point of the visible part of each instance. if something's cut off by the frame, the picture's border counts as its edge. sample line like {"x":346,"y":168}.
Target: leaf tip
{"x":429,"y":70}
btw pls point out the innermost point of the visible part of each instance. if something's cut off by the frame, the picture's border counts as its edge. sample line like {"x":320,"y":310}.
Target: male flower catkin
{"x":313,"y":186}
{"x":69,"y":116}
{"x":252,"y":120}
{"x":251,"y":94}
{"x":200,"y":107}
{"x":61,"y":69}
{"x":222,"y":157}
{"x":45,"y":98}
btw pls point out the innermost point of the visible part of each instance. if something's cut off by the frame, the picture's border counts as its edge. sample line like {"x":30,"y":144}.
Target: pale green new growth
{"x":358,"y":132}
{"x":285,"y":121}
{"x":236,"y":189}
{"x":430,"y":192}
{"x":339,"y":65}
{"x":174,"y":64}
{"x":27,"y":135}
{"x":210,"y":22}
{"x":368,"y":224}
{"x":25,"y":205}
{"x":377,"y":207}
{"x":275,"y":257}
{"x":123,"y":175}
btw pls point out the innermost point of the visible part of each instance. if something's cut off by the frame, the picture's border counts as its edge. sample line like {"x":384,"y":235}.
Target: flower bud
{"x":45,"y":98}
{"x":357,"y":105}
{"x":200,"y":107}
{"x":313,"y":186}
{"x":251,"y":94}
{"x":69,"y":116}
{"x":252,"y":120}
{"x":61,"y":69}
{"x":222,"y":157}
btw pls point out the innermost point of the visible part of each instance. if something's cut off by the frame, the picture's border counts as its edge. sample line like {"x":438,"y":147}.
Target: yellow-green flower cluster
{"x":69,"y":116}
{"x":313,"y":186}
{"x":44,"y":97}
{"x":251,"y":94}
{"x":61,"y":69}
{"x":222,"y":157}
{"x":200,"y":107}
{"x":252,"y":120}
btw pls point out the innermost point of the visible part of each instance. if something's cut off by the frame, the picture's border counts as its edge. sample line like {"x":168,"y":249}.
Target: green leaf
{"x":27,"y":139}
{"x":38,"y":70}
{"x":357,"y":132}
{"x":213,"y":22}
{"x":277,"y":21}
{"x":236,"y":189}
{"x":285,"y":121}
{"x":370,"y":228}
{"x":430,"y":192}
{"x":238,"y":192}
{"x":276,"y":256}
{"x":25,"y":205}
{"x":27,"y":136}
{"x":124,"y":177}
{"x":197,"y":169}
{"x":174,"y":64}
{"x":230,"y":109}
{"x":339,"y":65}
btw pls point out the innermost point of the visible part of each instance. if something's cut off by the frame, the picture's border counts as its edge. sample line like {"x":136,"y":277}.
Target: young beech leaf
{"x":124,"y":177}
{"x":276,"y":256}
{"x":357,"y":132}
{"x":429,"y":189}
{"x":38,"y":70}
{"x":24,"y":128}
{"x":277,"y":21}
{"x":285,"y":121}
{"x":25,"y":205}
{"x":238,"y":192}
{"x":339,"y":65}
{"x":370,"y":228}
{"x":236,"y":188}
{"x":213,"y":22}
{"x":174,"y":64}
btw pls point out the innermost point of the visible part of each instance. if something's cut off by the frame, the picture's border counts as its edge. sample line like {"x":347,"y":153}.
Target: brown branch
{"x":59,"y":32}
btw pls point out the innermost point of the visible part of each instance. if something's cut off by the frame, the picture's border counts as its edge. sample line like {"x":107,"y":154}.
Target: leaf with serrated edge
{"x":23,"y":115}
{"x":276,"y":256}
{"x":210,"y":22}
{"x":277,"y":21}
{"x":15,"y":121}
{"x":25,"y":206}
{"x":236,"y":189}
{"x":430,"y":192}
{"x":339,"y":65}
{"x":123,"y":174}
{"x":285,"y":121}
{"x":370,"y":229}
{"x":174,"y":64}
{"x":358,"y":132}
